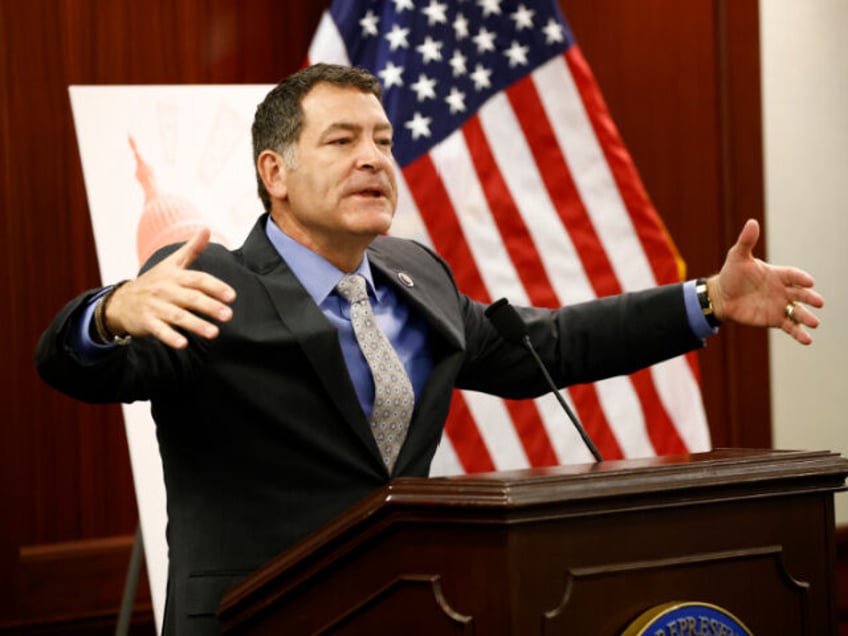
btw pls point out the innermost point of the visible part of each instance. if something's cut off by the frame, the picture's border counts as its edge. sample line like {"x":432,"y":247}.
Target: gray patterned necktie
{"x":393,"y":395}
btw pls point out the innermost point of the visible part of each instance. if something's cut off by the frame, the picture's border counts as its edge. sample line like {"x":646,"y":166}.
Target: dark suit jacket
{"x":261,"y":435}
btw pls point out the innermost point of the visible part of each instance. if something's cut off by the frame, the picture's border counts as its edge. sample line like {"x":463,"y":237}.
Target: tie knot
{"x":352,"y":288}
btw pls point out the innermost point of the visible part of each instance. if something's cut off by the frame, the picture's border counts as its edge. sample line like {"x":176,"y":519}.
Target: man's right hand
{"x":169,"y":295}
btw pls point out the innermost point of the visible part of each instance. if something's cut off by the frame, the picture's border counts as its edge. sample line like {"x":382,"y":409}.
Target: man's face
{"x":341,"y":188}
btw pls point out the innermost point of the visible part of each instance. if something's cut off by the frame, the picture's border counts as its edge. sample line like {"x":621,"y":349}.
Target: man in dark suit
{"x":262,"y":398}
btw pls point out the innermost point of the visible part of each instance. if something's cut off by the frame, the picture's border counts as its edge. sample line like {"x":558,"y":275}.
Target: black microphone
{"x":511,"y":327}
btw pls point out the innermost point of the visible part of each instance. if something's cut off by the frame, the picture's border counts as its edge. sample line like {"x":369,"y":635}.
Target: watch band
{"x":103,"y":332}
{"x":703,"y":293}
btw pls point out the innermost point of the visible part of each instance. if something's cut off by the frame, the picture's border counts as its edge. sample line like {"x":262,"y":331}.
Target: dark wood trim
{"x":94,"y":624}
{"x":75,"y":587}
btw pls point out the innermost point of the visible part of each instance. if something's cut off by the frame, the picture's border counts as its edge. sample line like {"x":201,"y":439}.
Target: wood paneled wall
{"x":681,"y":80}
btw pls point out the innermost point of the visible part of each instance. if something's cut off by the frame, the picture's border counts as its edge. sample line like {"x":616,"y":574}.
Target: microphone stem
{"x":586,"y":439}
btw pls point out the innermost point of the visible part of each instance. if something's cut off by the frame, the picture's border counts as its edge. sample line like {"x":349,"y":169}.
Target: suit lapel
{"x":302,"y":318}
{"x":422,"y":285}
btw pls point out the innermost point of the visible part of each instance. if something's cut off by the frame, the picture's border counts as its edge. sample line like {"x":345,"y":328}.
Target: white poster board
{"x":194,"y":157}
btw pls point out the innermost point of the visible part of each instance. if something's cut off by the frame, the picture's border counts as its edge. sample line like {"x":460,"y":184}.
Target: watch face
{"x":703,"y":296}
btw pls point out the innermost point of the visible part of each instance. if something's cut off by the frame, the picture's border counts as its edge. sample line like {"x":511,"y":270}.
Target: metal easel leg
{"x":131,"y":585}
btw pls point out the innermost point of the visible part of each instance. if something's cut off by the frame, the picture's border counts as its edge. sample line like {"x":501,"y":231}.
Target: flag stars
{"x":553,"y":32}
{"x":490,"y":7}
{"x":400,"y":5}
{"x":481,"y":77}
{"x":391,"y":75}
{"x":397,"y":37}
{"x":517,"y":54}
{"x":523,"y":18}
{"x":460,"y":26}
{"x":463,"y":51}
{"x":425,"y":88}
{"x":485,"y":40}
{"x":419,"y":125}
{"x":457,"y":63}
{"x":431,"y":50}
{"x":435,"y":12}
{"x":369,"y":24}
{"x":456,"y":100}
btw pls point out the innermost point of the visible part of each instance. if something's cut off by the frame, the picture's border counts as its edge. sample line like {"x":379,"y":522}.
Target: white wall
{"x":805,"y":121}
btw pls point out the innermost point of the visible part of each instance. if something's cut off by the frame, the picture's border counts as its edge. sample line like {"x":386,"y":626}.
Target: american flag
{"x":511,"y":168}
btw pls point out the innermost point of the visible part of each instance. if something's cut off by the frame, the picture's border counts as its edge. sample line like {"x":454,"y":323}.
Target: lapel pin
{"x":406,"y":279}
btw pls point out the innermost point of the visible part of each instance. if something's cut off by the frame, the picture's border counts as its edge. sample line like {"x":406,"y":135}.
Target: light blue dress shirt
{"x":406,"y":332}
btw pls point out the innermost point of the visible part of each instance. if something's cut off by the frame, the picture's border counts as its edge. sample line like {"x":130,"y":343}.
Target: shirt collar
{"x":317,"y":275}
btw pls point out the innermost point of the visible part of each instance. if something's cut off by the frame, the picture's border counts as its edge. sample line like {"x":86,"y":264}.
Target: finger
{"x":188,"y":310}
{"x":798,"y":287}
{"x":794,"y":277}
{"x":797,"y":332}
{"x":194,"y":324}
{"x":167,"y":329}
{"x":204,"y":302}
{"x":793,"y":323}
{"x":163,"y":332}
{"x":801,"y":315}
{"x":797,"y":320}
{"x":807,"y":297}
{"x":208,"y":285}
{"x":189,"y":252}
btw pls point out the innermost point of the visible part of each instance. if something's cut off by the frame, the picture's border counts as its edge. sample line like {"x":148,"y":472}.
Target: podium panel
{"x":566,"y":550}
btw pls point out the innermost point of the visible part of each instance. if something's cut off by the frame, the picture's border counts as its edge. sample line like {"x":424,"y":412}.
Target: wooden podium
{"x":567,"y":550}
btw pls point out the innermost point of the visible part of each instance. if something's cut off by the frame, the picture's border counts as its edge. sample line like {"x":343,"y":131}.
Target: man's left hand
{"x":749,"y":291}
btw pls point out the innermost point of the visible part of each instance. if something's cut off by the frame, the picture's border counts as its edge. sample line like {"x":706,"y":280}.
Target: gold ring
{"x":790,"y":312}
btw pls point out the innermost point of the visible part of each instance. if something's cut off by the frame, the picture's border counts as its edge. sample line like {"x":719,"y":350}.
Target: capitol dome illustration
{"x":165,"y":218}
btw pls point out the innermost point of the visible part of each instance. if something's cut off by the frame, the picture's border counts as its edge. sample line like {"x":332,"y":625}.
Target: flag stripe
{"x":532,"y":432}
{"x":327,"y":44}
{"x":513,"y":230}
{"x":594,"y":420}
{"x":466,"y":439}
{"x":437,"y":212}
{"x":679,"y":390}
{"x":556,"y":176}
{"x":458,"y":175}
{"x":518,"y":168}
{"x":621,"y":406}
{"x":498,"y":430}
{"x":592,"y":177}
{"x":664,"y":435}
